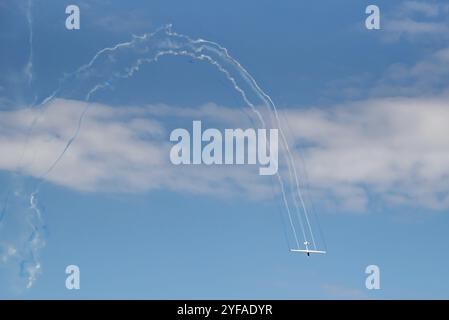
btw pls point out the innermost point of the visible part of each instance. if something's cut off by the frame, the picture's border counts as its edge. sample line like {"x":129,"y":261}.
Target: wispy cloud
{"x":417,"y":20}
{"x":340,"y":292}
{"x":429,"y":9}
{"x":105,"y":15}
{"x":427,"y":76}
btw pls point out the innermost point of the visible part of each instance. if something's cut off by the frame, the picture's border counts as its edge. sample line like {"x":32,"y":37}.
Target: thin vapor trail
{"x":28,"y":256}
{"x":29,"y":65}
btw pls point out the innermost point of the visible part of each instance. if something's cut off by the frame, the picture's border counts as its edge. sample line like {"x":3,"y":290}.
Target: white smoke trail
{"x":29,"y":64}
{"x":22,"y":243}
{"x":165,"y":42}
{"x":36,"y":241}
{"x":101,"y":72}
{"x":27,"y":252}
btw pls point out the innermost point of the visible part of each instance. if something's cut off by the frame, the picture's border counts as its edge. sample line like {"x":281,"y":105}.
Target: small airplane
{"x":307,"y":250}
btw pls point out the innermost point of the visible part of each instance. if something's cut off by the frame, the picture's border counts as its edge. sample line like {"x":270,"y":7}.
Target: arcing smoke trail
{"x":102,"y":72}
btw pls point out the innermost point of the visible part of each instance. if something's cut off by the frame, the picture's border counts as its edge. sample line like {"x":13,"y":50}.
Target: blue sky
{"x":367,"y":110}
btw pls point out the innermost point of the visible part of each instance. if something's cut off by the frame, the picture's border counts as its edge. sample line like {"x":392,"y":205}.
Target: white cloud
{"x":124,"y":149}
{"x":394,"y":148}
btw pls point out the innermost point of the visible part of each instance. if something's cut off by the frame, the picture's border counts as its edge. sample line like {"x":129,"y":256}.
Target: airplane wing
{"x":308,"y":251}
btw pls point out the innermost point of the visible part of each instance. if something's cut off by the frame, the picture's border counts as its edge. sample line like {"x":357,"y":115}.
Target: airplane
{"x":307,"y":250}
